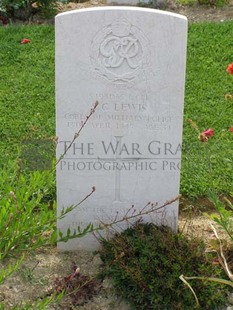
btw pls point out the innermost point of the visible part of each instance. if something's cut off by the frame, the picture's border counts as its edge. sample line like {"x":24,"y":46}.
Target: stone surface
{"x":132,"y":61}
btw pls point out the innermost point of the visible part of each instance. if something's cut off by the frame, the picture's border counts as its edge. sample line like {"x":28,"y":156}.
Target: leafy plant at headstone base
{"x":27,"y":214}
{"x":224,"y":220}
{"x":28,"y":219}
{"x":145,"y":263}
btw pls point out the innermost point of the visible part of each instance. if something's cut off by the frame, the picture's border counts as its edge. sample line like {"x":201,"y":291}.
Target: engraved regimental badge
{"x":118,"y":52}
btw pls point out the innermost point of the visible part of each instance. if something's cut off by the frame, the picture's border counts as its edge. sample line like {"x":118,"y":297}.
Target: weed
{"x":78,"y":288}
{"x":224,"y":214}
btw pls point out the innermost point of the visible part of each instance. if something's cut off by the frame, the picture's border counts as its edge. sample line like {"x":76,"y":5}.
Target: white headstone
{"x":132,"y":61}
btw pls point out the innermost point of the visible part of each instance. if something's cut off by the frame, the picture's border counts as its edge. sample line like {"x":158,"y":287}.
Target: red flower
{"x":25,"y":41}
{"x":208,"y":132}
{"x":231,"y":129}
{"x":203,"y":136}
{"x":229,"y":68}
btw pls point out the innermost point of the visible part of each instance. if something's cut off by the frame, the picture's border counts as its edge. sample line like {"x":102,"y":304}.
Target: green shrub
{"x":145,"y":263}
{"x":25,"y":9}
{"x":27,"y":217}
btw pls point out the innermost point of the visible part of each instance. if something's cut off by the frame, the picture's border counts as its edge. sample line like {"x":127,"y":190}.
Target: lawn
{"x":208,"y":165}
{"x":27,"y":104}
{"x":27,"y":87}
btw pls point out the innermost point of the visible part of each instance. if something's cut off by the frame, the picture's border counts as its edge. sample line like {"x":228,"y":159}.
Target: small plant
{"x":224,"y":216}
{"x":145,"y":263}
{"x":224,"y":220}
{"x":27,"y":211}
{"x":78,"y":288}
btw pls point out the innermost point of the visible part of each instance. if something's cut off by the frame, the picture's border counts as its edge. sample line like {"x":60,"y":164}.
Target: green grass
{"x":27,"y":105}
{"x":208,"y":165}
{"x":27,"y":87}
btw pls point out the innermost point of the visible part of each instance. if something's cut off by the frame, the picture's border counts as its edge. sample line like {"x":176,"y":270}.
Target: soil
{"x":36,"y":278}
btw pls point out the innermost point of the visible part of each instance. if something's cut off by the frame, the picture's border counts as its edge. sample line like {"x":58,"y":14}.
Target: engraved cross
{"x":118,"y":159}
{"x":118,"y":172}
